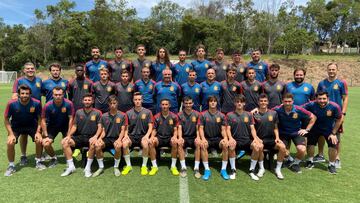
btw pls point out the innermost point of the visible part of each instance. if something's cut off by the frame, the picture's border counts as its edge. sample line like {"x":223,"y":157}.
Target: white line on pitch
{"x":184,"y":190}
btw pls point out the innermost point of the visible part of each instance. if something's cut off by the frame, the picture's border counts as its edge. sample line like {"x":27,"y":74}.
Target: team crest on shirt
{"x":102,"y":66}
{"x":62,"y":84}
{"x":129,"y":89}
{"x":260,"y":67}
{"x":193,"y":119}
{"x":218,"y":119}
{"x":256,"y":88}
{"x":270,"y":118}
{"x":93,"y":118}
{"x":246,"y":119}
{"x":143,"y":116}
{"x":187,"y":69}
{"x":171,"y":122}
{"x":206,"y":65}
{"x":306,"y":89}
{"x":278,"y":88}
{"x":336,"y":86}
{"x":197,"y":90}
{"x":295,"y":116}
{"x":123,"y":66}
{"x":146,"y":65}
{"x":172,"y":88}
{"x":37,"y":84}
{"x":118,"y":120}
{"x":241,"y":70}
{"x":109,"y":89}
{"x":150,"y":87}
{"x":224,"y":67}
{"x":234,"y":88}
{"x":329,"y":113}
{"x":86,"y":86}
{"x":32,"y":109}
{"x":216,"y":88}
{"x":63,"y":109}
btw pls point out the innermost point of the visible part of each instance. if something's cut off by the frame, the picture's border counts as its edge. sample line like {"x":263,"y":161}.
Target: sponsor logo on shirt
{"x":270,"y":117}
{"x":295,"y":116}
{"x":118,"y":120}
{"x":246,"y":119}
{"x":32,"y":109}
{"x":218,"y":119}
{"x":93,"y":118}
{"x":329,"y":113}
{"x":63,"y":109}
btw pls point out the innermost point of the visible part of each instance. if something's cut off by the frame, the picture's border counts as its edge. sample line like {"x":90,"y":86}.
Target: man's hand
{"x":11,"y":139}
{"x":303,"y":132}
{"x":333,"y":139}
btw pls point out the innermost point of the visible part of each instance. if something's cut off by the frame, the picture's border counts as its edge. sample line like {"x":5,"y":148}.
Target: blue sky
{"x":22,"y":11}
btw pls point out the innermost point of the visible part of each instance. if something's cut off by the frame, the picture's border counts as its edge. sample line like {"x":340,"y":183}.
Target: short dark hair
{"x":140,"y":45}
{"x":219,"y":49}
{"x":230,"y":68}
{"x":300,"y":69}
{"x":274,"y":65}
{"x":212,"y":97}
{"x":257,"y":49}
{"x":288,"y":96}
{"x":164,"y":99}
{"x":187,"y":98}
{"x":137,"y":94}
{"x":263,"y":96}
{"x":200,"y":46}
{"x":79,"y":65}
{"x":249,"y":68}
{"x":240,"y":98}
{"x":112,"y":98}
{"x":236,"y":52}
{"x":56,"y":65}
{"x":87,"y":95}
{"x":320,"y":93}
{"x":94,"y":47}
{"x":118,"y":48}
{"x":24,"y":87}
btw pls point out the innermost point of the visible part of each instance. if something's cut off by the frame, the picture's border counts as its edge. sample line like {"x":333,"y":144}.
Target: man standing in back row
{"x":92,"y":67}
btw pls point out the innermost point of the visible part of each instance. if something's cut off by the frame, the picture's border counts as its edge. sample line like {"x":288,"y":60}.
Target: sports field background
{"x":316,"y":185}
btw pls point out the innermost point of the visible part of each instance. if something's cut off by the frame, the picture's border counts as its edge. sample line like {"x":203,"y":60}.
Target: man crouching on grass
{"x":22,"y":117}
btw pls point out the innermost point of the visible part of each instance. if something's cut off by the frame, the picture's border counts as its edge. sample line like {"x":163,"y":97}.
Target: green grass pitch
{"x":316,"y":185}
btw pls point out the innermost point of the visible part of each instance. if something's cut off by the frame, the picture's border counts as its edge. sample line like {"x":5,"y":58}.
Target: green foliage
{"x":61,"y":33}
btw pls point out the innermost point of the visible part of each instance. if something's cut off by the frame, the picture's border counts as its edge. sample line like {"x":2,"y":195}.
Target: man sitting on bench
{"x":266,"y":125}
{"x":164,"y":134}
{"x":84,"y":133}
{"x":114,"y":125}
